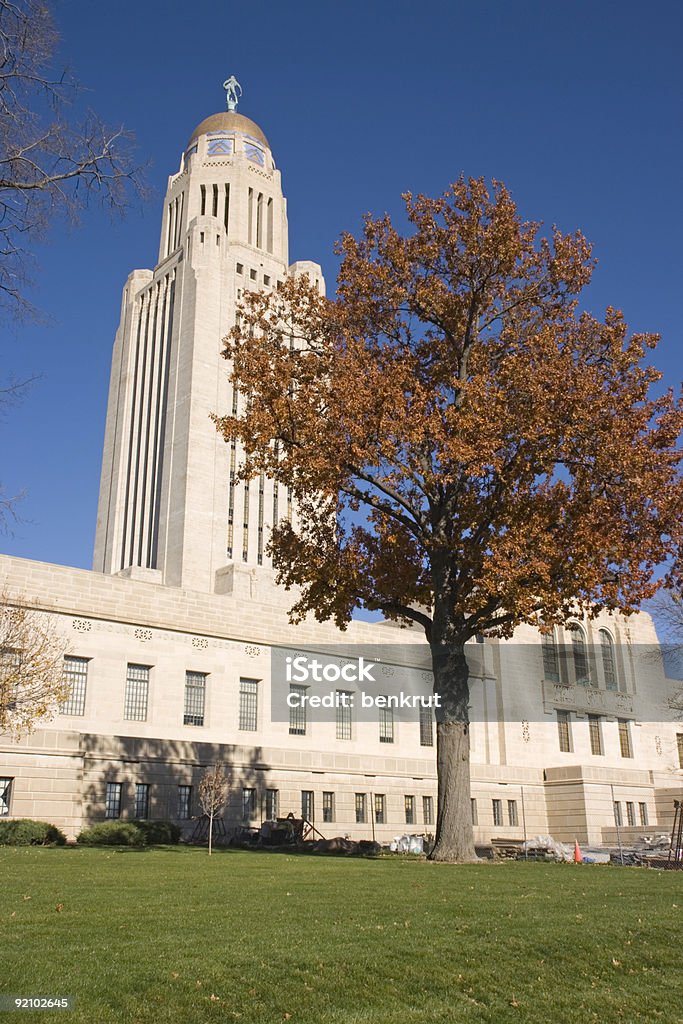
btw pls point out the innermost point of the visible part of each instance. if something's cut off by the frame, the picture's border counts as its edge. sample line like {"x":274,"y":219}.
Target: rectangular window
{"x":214,"y":207}
{"x":328,"y":807}
{"x":608,"y":660}
{"x":551,"y":663}
{"x":513,"y":819}
{"x":202,"y":192}
{"x":248,"y":705}
{"x":245,"y":522}
{"x":643,"y":814}
{"x":625,"y":738}
{"x":261,"y":500}
{"x":169,"y":230}
{"x":618,"y":819}
{"x":563,"y":731}
{"x":380,"y":809}
{"x":343,"y":715}
{"x":137,"y":691}
{"x":112,"y":800}
{"x":272,"y":804}
{"x":195,"y":694}
{"x":5,"y":795}
{"x":580,"y":658}
{"x":269,"y":236}
{"x":595,"y":734}
{"x":307,"y":805}
{"x":248,"y":804}
{"x":428,"y":810}
{"x":10,"y":676}
{"x":259,"y":221}
{"x":497,"y":812}
{"x":409,"y":802}
{"x":630,"y":812}
{"x":184,"y":802}
{"x":297,"y":713}
{"x":226,"y":210}
{"x":679,"y":740}
{"x":426,"y":727}
{"x":10,"y":661}
{"x":76,"y":675}
{"x":141,"y":800}
{"x":474,"y":811}
{"x":361,"y":808}
{"x":386,"y":725}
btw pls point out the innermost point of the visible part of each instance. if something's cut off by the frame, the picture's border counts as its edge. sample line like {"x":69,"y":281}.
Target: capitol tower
{"x":169,"y":508}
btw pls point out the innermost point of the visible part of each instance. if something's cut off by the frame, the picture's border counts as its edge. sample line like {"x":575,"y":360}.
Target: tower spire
{"x":233,"y":91}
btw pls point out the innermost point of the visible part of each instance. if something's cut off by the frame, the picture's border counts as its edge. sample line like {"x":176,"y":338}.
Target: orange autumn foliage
{"x":466,"y":449}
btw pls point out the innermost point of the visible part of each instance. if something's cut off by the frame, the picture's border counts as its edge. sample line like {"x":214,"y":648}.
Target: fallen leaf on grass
{"x":59,"y":907}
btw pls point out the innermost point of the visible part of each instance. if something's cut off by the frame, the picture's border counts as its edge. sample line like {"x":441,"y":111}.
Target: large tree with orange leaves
{"x":467,"y":450}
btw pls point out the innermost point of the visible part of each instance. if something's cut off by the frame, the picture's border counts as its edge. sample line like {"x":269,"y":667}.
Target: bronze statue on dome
{"x":233,"y":91}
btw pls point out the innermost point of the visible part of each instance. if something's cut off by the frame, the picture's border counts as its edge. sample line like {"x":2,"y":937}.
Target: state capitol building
{"x":174,"y":635}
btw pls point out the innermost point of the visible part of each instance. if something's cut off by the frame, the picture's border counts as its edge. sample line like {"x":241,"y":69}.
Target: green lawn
{"x":171,"y":935}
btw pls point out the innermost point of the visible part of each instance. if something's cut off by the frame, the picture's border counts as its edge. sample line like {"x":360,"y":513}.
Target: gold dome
{"x":229,"y":121}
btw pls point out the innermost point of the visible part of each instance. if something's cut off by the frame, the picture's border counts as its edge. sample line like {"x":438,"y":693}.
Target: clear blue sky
{"x":576,"y":107}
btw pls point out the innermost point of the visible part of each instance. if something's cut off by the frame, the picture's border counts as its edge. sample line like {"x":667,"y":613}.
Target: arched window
{"x":608,"y":665}
{"x":551,"y":661}
{"x":580,"y":655}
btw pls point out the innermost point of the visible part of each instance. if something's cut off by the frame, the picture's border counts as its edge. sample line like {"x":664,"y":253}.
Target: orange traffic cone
{"x":578,"y":856}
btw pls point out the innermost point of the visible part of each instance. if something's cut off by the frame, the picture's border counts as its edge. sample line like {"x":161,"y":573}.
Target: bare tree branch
{"x":32,"y":681}
{"x":51,"y":164}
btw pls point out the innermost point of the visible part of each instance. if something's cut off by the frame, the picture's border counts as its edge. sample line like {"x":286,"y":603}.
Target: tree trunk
{"x":454,"y":835}
{"x":210,"y":833}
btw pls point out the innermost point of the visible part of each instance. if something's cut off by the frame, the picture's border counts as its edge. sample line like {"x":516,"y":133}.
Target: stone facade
{"x":61,"y":771}
{"x":181,"y":596}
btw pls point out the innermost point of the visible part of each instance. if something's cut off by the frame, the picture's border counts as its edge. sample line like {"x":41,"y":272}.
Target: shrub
{"x":159,"y":832}
{"x":112,"y":833}
{"x":130,"y":833}
{"x":24,"y":832}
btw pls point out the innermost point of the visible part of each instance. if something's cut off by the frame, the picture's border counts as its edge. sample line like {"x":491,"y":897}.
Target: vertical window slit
{"x":245,"y":523}
{"x":269,"y":230}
